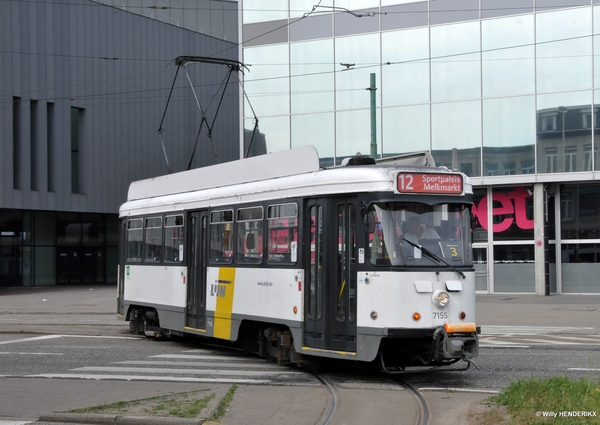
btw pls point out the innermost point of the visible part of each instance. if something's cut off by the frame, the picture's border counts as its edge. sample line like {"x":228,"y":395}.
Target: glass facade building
{"x":502,"y":90}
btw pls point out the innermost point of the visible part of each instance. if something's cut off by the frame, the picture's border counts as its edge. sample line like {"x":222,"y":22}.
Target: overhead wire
{"x":358,"y":67}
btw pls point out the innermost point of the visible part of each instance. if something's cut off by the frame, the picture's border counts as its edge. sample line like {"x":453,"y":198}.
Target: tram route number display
{"x":449,"y":184}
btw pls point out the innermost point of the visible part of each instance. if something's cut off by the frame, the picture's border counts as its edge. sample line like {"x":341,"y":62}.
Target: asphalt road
{"x":523,"y":336}
{"x":69,"y":371}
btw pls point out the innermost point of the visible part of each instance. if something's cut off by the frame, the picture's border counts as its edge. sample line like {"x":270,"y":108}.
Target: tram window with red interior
{"x":283,"y":233}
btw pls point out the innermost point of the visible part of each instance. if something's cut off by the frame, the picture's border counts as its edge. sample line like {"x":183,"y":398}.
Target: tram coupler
{"x":456,"y":341}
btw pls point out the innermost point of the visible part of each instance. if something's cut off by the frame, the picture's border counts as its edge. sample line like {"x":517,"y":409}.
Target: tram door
{"x":330,"y":300}
{"x":196,"y":261}
{"x":121,"y":274}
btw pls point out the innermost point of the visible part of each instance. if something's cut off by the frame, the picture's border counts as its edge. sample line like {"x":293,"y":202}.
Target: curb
{"x":98,"y":419}
{"x":211,"y":408}
{"x":77,"y":418}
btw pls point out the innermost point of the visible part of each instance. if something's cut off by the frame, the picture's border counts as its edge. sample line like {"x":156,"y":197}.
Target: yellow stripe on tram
{"x":224,"y":306}
{"x":321,"y":350}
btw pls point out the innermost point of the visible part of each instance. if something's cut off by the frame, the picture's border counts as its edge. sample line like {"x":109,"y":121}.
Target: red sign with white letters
{"x":448,"y":184}
{"x":506,"y":208}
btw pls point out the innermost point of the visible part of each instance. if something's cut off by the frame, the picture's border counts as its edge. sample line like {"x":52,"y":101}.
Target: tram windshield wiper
{"x":435,"y":257}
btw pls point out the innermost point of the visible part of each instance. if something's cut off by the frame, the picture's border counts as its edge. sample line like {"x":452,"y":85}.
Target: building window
{"x":589,"y":157}
{"x":587,"y":119}
{"x":76,"y":131}
{"x":566,"y":206}
{"x":510,"y":169}
{"x":467,"y":168}
{"x":514,"y":267}
{"x":549,"y":123}
{"x":571,"y":159}
{"x":527,"y":166}
{"x":33,"y":125}
{"x":580,"y":267}
{"x":551,"y":160}
{"x":580,"y":211}
{"x":17,"y":142}
{"x":50,"y":146}
{"x":491,"y":169}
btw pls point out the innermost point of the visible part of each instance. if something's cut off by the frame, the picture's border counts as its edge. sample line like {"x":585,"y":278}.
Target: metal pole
{"x":372,"y":89}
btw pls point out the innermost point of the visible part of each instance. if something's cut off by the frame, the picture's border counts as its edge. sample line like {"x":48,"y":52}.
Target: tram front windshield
{"x":414,"y":234}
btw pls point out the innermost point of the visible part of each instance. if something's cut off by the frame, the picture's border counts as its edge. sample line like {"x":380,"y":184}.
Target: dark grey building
{"x":83,"y":92}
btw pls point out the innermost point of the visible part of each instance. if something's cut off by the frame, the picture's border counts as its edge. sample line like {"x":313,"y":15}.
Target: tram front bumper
{"x":457,"y":341}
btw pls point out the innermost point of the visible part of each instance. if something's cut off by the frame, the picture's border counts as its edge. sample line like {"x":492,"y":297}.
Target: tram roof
{"x":280,"y":164}
{"x":288,"y":163}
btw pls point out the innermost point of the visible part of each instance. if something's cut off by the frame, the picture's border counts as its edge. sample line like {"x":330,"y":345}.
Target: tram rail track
{"x":423,"y":414}
{"x":334,"y":400}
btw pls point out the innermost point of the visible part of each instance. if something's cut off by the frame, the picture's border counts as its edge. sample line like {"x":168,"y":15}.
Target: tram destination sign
{"x":448,"y":184}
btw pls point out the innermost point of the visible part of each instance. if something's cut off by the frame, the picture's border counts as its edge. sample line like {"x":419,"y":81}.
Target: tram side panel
{"x":271,"y":296}
{"x":161,"y":287}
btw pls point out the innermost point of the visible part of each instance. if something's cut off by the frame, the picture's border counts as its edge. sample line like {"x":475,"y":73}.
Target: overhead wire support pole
{"x":372,"y":88}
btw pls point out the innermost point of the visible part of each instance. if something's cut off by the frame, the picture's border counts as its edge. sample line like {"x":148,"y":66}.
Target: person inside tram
{"x":415,"y":230}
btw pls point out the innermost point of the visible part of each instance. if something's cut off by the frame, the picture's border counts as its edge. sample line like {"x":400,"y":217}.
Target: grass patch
{"x":541,"y":401}
{"x":181,"y":405}
{"x":224,"y":404}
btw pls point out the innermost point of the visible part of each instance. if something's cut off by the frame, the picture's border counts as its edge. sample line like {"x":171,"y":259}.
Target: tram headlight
{"x":441,"y":299}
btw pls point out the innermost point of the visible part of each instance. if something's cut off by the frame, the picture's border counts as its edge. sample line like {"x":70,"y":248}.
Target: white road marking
{"x":539,"y":339}
{"x":152,"y":378}
{"x":183,"y":371}
{"x":102,"y":337}
{"x":44,"y":337}
{"x":584,"y":369}
{"x":591,"y":338}
{"x":191,"y":357}
{"x":201,"y":364}
{"x":35,"y":338}
{"x":551,"y":341}
{"x":17,"y":422}
{"x":533,"y":330}
{"x":504,"y":345}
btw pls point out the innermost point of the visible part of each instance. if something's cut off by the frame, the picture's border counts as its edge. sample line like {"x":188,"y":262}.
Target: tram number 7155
{"x":440,"y":314}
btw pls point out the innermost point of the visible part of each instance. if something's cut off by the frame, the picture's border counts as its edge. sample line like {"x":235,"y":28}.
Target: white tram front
{"x":370,"y":261}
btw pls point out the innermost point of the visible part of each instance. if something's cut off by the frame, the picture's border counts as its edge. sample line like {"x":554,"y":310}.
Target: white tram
{"x":296,"y":262}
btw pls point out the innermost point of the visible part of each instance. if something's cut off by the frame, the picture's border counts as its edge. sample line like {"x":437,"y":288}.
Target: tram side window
{"x":250,"y":235}
{"x":283,"y":233}
{"x":135,"y":241}
{"x":221,"y":237}
{"x":153,"y":240}
{"x":377,"y":242}
{"x":174,"y":238}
